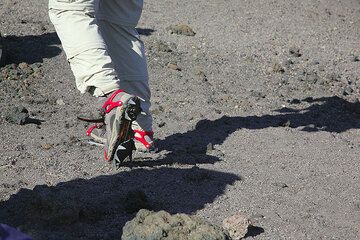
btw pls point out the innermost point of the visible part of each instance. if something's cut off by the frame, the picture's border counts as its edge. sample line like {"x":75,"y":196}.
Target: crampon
{"x":122,"y":143}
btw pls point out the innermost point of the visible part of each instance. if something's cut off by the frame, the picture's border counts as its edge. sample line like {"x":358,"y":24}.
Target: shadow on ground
{"x":96,"y":208}
{"x":31,"y":48}
{"x":331,"y":114}
{"x":145,"y":31}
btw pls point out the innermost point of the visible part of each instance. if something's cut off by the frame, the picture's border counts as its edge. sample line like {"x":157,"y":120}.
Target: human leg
{"x":128,"y":55}
{"x":86,"y":51}
{"x":76,"y":26}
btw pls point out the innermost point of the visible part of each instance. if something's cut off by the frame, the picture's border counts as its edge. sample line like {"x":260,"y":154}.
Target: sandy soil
{"x":263,"y":118}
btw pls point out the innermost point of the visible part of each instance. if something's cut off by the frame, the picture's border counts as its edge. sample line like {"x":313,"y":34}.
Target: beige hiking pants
{"x":103,"y":47}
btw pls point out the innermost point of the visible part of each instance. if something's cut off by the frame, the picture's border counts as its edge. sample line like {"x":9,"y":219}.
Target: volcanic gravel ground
{"x":257,"y":113}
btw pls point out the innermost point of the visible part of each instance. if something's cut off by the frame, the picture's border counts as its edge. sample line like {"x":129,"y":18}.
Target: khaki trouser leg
{"x":95,"y":48}
{"x":128,"y":55}
{"x":76,"y":26}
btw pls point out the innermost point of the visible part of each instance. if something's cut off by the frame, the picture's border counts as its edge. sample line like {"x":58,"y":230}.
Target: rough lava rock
{"x":237,"y":226}
{"x":149,"y":225}
{"x":181,"y":29}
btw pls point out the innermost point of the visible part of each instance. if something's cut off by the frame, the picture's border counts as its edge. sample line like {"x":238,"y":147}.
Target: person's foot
{"x":121,"y":109}
{"x":113,"y":126}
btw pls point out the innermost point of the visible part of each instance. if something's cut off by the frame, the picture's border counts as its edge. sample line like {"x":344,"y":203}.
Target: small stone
{"x":295,"y":101}
{"x":226,"y":98}
{"x":60,"y":102}
{"x":201,"y":75}
{"x":18,"y":115}
{"x":209,"y":148}
{"x":309,"y":99}
{"x":295,"y":52}
{"x":277,"y":68}
{"x":312,"y":77}
{"x":257,"y":94}
{"x":181,"y":29}
{"x":47,"y":146}
{"x":347,"y":91}
{"x":354,"y":58}
{"x":285,"y":123}
{"x":237,"y":226}
{"x":162,"y":124}
{"x":281,"y":185}
{"x":158,"y":110}
{"x":288,"y":63}
{"x":174,"y":66}
{"x":163,"y":46}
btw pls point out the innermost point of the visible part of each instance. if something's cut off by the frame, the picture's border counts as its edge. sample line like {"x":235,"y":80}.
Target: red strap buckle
{"x":110,"y":105}
{"x":91,"y":128}
{"x":142,"y":137}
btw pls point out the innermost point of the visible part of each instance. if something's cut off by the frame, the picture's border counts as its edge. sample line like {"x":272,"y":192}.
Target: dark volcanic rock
{"x":148,"y":225}
{"x":18,"y":115}
{"x":295,"y":52}
{"x":21,"y":71}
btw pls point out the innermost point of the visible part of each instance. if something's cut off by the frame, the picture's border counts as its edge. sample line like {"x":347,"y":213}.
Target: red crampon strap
{"x":142,"y":137}
{"x":110,"y":105}
{"x":91,"y":128}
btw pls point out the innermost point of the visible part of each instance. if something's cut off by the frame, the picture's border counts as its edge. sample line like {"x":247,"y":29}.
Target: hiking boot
{"x":121,"y":109}
{"x":113,"y":127}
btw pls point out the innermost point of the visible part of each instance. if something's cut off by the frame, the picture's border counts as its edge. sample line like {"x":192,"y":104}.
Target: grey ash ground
{"x":256,"y":112}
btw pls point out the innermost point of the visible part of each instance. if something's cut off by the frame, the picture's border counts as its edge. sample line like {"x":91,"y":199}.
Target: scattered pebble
{"x":347,"y":90}
{"x":21,"y":71}
{"x":17,"y":115}
{"x":209,"y":148}
{"x":173,"y":66}
{"x":355,"y":58}
{"x":163,"y":46}
{"x":277,"y":68}
{"x":60,"y":102}
{"x":199,"y":73}
{"x":181,"y":29}
{"x":47,"y":146}
{"x":285,"y":123}
{"x":295,"y":101}
{"x":294,"y":51}
{"x":162,"y":124}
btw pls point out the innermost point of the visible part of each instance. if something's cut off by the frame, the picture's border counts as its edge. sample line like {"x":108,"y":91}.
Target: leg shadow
{"x":96,"y":208}
{"x":31,"y":48}
{"x":331,"y":114}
